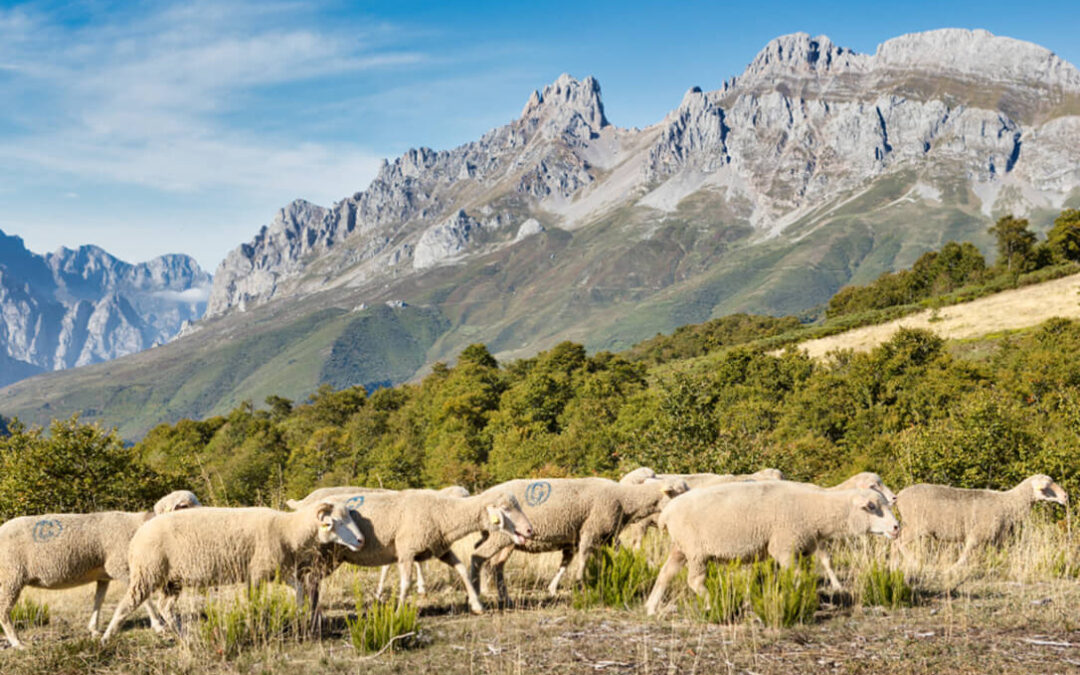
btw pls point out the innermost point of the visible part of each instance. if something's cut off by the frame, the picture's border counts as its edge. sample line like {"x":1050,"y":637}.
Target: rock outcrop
{"x":75,"y":307}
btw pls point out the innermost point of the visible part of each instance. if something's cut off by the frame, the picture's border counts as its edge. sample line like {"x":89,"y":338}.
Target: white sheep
{"x":972,"y":516}
{"x":574,"y":516}
{"x":63,"y":550}
{"x":744,"y":521}
{"x":635,"y":534}
{"x":414,"y":525}
{"x":212,"y":546}
{"x":323,"y":493}
{"x":867,"y":480}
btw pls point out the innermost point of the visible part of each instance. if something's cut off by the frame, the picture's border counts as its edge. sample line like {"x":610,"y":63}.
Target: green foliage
{"x":75,"y":468}
{"x":1015,"y":244}
{"x":620,"y":579}
{"x":381,"y":624}
{"x":1063,"y":239}
{"x":699,"y":339}
{"x":727,"y":586}
{"x":882,"y":587}
{"x":265,"y":615}
{"x":29,"y":614}
{"x":783,"y":597}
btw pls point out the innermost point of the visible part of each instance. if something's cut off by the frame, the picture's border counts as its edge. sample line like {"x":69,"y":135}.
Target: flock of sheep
{"x":707,"y":517}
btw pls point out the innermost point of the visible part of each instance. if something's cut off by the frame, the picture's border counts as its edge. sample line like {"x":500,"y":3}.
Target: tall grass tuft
{"x":882,"y":587}
{"x":783,"y":597}
{"x":29,"y":614}
{"x":383,"y":623}
{"x":263,"y":616}
{"x":726,"y":589}
{"x":620,"y":579}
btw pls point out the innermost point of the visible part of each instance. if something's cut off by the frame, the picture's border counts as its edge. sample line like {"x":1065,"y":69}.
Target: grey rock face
{"x":76,"y":307}
{"x":806,"y":124}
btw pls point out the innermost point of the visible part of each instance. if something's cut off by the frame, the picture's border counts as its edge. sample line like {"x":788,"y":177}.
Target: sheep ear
{"x":672,"y":488}
{"x":494,"y":515}
{"x":322,"y":513}
{"x":864,"y":503}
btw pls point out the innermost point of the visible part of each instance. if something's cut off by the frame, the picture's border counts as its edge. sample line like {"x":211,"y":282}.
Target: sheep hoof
{"x":476,"y":609}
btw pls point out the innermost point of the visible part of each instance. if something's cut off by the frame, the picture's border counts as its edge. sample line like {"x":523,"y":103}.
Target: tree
{"x":1014,"y":243}
{"x":1063,"y":238}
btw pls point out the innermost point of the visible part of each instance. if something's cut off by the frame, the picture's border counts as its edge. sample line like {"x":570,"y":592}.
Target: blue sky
{"x":181,"y":127}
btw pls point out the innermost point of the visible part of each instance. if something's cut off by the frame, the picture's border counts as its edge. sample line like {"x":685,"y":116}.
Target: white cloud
{"x":145,"y":99}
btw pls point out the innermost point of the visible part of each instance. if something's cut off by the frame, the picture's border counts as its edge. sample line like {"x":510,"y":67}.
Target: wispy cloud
{"x":146,"y":98}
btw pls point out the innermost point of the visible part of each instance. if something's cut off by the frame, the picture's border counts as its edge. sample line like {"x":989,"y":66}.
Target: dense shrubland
{"x":708,"y":398}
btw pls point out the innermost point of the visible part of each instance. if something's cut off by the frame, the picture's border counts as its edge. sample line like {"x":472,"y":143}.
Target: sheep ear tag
{"x":493,"y":514}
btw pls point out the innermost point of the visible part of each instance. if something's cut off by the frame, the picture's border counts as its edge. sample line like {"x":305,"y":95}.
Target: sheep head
{"x":176,"y":501}
{"x":870,"y":512}
{"x":637,"y":476}
{"x":504,"y":514}
{"x":1046,"y":490}
{"x":868,"y":480}
{"x":768,"y":474}
{"x":336,"y":525}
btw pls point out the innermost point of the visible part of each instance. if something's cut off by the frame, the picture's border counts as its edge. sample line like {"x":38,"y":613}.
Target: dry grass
{"x":1005,"y":311}
{"x":1014,"y":610}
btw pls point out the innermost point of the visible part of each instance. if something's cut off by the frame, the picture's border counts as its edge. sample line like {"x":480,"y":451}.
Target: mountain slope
{"x":76,"y":307}
{"x":814,"y":168}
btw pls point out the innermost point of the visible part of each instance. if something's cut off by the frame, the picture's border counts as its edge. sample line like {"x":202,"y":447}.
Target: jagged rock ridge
{"x":76,"y":307}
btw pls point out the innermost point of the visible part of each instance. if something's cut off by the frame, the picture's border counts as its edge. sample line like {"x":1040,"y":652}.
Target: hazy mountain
{"x":77,"y":307}
{"x":814,"y":168}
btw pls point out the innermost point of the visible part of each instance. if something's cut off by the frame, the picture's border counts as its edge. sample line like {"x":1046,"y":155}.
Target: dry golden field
{"x":1011,"y":610}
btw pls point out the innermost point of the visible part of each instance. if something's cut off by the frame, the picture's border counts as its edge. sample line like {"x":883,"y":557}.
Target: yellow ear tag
{"x":495,"y":520}
{"x":324,"y":526}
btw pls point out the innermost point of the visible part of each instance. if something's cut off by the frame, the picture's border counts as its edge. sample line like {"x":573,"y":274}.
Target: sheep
{"x":574,"y":516}
{"x":211,"y":546}
{"x":867,"y":480}
{"x":64,"y":550}
{"x":414,"y":525}
{"x":635,"y":534}
{"x":322,"y":493}
{"x":741,"y":521}
{"x":972,"y":516}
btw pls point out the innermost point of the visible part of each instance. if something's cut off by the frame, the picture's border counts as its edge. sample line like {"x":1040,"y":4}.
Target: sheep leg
{"x":382,"y":581}
{"x":969,"y":545}
{"x":99,"y":599}
{"x":497,"y":565}
{"x":136,"y":594}
{"x":157,"y":623}
{"x":172,"y":618}
{"x":8,"y":597}
{"x":567,"y":555}
{"x":452,"y":560}
{"x":421,"y":588}
{"x":405,"y":571}
{"x":826,"y":563}
{"x":585,"y":548}
{"x":674,"y":563}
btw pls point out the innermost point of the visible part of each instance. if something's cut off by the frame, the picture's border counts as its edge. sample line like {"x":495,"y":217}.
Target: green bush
{"x":28,"y":614}
{"x":726,"y":590}
{"x":882,"y":587}
{"x":620,"y":579}
{"x":783,"y":597}
{"x":381,"y":624}
{"x":263,"y":616}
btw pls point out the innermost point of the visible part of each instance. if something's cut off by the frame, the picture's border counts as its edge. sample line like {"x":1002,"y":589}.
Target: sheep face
{"x":669,"y":489}
{"x":505,"y":515}
{"x":1047,"y":490}
{"x":336,"y":525}
{"x":872,"y":481}
{"x":176,"y":501}
{"x":870,"y":513}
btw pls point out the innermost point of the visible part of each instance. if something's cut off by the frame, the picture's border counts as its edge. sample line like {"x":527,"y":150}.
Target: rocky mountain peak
{"x":565,"y":103}
{"x":801,"y":55}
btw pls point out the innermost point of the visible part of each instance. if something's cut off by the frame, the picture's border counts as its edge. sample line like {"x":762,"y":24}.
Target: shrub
{"x":383,"y":624}
{"x":28,"y":614}
{"x":783,"y":597}
{"x":618,"y":579}
{"x":882,"y":587}
{"x":264,"y":615}
{"x":726,"y":589}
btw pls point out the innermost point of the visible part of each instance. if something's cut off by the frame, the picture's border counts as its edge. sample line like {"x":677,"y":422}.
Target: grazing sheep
{"x":414,"y":525}
{"x":867,"y":480}
{"x":575,"y":516}
{"x":635,"y":533}
{"x":211,"y":546}
{"x":742,"y":521}
{"x":323,"y":493}
{"x":972,"y":516}
{"x":63,"y":550}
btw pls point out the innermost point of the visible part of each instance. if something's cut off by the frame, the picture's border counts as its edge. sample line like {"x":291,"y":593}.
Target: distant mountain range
{"x":815,"y":168}
{"x":77,"y":307}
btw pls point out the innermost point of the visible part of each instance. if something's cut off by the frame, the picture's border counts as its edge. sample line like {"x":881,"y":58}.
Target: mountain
{"x":76,"y":307}
{"x":814,"y":168}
